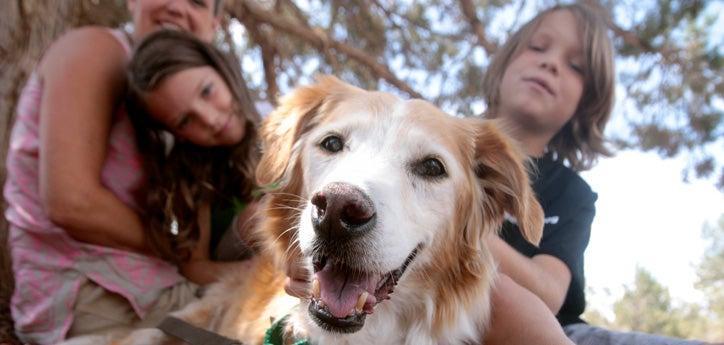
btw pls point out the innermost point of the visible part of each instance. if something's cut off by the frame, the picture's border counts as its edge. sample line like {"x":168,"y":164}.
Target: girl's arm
{"x":199,"y":268}
{"x":83,"y":76}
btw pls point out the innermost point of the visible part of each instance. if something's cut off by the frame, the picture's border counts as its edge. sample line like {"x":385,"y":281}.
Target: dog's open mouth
{"x":342,"y":296}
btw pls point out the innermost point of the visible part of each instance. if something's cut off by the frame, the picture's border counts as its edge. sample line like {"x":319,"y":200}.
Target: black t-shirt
{"x":568,"y":204}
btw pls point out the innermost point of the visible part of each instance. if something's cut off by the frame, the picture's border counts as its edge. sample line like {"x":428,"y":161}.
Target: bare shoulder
{"x":88,"y":49}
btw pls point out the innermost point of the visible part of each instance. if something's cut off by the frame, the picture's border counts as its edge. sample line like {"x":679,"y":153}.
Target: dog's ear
{"x":503,"y":177}
{"x":296,"y":114}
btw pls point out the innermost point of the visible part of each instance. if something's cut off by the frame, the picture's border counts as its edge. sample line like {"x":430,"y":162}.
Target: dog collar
{"x":275,"y":334}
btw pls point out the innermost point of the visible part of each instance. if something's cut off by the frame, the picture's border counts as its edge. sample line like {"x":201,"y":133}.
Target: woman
{"x":73,"y":182}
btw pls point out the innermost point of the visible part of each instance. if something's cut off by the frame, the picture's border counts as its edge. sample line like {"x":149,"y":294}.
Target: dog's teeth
{"x":315,"y":288}
{"x":361,"y":300}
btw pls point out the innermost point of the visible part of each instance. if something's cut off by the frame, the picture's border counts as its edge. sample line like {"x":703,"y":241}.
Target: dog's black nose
{"x":342,"y":211}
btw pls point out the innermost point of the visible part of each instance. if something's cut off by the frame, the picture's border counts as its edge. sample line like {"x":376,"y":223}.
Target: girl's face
{"x":196,"y":104}
{"x":194,"y":16}
{"x":543,"y":84}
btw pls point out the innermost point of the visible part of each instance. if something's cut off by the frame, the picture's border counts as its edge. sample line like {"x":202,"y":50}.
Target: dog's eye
{"x":430,"y":167}
{"x":332,"y":143}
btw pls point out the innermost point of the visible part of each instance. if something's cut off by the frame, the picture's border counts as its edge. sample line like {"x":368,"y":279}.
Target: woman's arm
{"x":83,"y":76}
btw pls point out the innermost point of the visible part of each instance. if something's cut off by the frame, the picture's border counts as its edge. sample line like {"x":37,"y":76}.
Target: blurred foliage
{"x":647,"y":306}
{"x":711,"y":275}
{"x":669,"y":59}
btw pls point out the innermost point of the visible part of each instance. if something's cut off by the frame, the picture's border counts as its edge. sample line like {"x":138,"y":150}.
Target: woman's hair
{"x":183,"y":176}
{"x":581,"y":140}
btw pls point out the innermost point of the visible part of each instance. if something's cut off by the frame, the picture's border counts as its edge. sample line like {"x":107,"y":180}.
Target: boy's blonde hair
{"x":581,"y":140}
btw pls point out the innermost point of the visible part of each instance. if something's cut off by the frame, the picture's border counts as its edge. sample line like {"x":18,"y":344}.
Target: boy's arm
{"x":544,"y":275}
{"x":556,"y":265}
{"x":520,"y":318}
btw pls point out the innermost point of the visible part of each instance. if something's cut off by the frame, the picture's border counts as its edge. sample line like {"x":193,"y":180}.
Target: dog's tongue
{"x":340,"y":290}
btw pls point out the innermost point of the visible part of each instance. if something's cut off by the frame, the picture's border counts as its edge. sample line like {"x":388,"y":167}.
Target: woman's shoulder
{"x":82,"y":45}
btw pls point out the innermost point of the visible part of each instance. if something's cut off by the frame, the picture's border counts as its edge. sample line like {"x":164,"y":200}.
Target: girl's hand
{"x":204,"y":272}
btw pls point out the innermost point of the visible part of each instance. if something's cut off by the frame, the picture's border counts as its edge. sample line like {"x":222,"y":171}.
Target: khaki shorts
{"x":98,"y":311}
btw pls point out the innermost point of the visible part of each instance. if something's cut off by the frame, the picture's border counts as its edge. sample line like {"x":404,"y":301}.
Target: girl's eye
{"x":185,"y":120}
{"x":199,"y":3}
{"x":206,"y":90}
{"x":535,"y":47}
{"x":332,"y":144}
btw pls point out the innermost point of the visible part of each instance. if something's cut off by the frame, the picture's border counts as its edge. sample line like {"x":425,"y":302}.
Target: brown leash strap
{"x":191,"y":334}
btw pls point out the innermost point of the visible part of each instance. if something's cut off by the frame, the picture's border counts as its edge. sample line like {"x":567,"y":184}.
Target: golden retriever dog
{"x":389,"y":203}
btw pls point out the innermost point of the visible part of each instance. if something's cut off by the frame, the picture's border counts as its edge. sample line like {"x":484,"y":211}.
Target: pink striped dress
{"x":48,"y":264}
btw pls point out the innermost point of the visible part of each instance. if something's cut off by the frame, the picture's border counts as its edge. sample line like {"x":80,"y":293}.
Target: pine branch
{"x":321,"y":41}
{"x":229,"y":41}
{"x":668,"y":54}
{"x":269,"y":52}
{"x":468,"y":9}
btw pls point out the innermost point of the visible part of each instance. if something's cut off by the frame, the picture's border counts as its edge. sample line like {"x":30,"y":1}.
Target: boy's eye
{"x":577,"y":67}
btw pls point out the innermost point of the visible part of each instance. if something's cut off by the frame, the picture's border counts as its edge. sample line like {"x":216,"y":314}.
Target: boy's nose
{"x":549,"y":63}
{"x":175,"y":7}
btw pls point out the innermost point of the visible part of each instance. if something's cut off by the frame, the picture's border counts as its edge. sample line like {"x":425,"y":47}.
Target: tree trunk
{"x":27,"y":27}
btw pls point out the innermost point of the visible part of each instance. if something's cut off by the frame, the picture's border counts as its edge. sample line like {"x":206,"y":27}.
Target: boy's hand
{"x":298,"y":283}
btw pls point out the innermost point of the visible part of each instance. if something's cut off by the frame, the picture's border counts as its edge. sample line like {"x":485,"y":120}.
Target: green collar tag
{"x":275,"y":334}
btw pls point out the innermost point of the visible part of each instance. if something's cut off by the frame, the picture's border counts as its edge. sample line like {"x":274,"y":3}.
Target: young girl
{"x":73,"y":177}
{"x":552,"y":86}
{"x":197,"y":128}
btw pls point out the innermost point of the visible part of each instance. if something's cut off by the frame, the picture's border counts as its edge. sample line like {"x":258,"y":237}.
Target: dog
{"x":388,"y":202}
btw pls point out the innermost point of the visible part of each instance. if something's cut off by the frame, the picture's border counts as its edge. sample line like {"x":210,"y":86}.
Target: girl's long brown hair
{"x":182,"y":176}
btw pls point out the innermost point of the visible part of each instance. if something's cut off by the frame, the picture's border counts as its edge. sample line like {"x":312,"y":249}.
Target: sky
{"x":647,"y":217}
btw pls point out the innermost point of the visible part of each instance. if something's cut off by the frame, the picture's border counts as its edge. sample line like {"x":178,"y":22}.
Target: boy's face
{"x":195,"y":16}
{"x":543,"y":84}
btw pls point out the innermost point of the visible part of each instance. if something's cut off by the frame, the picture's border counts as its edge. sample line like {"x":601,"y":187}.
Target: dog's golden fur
{"x":445,"y":300}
